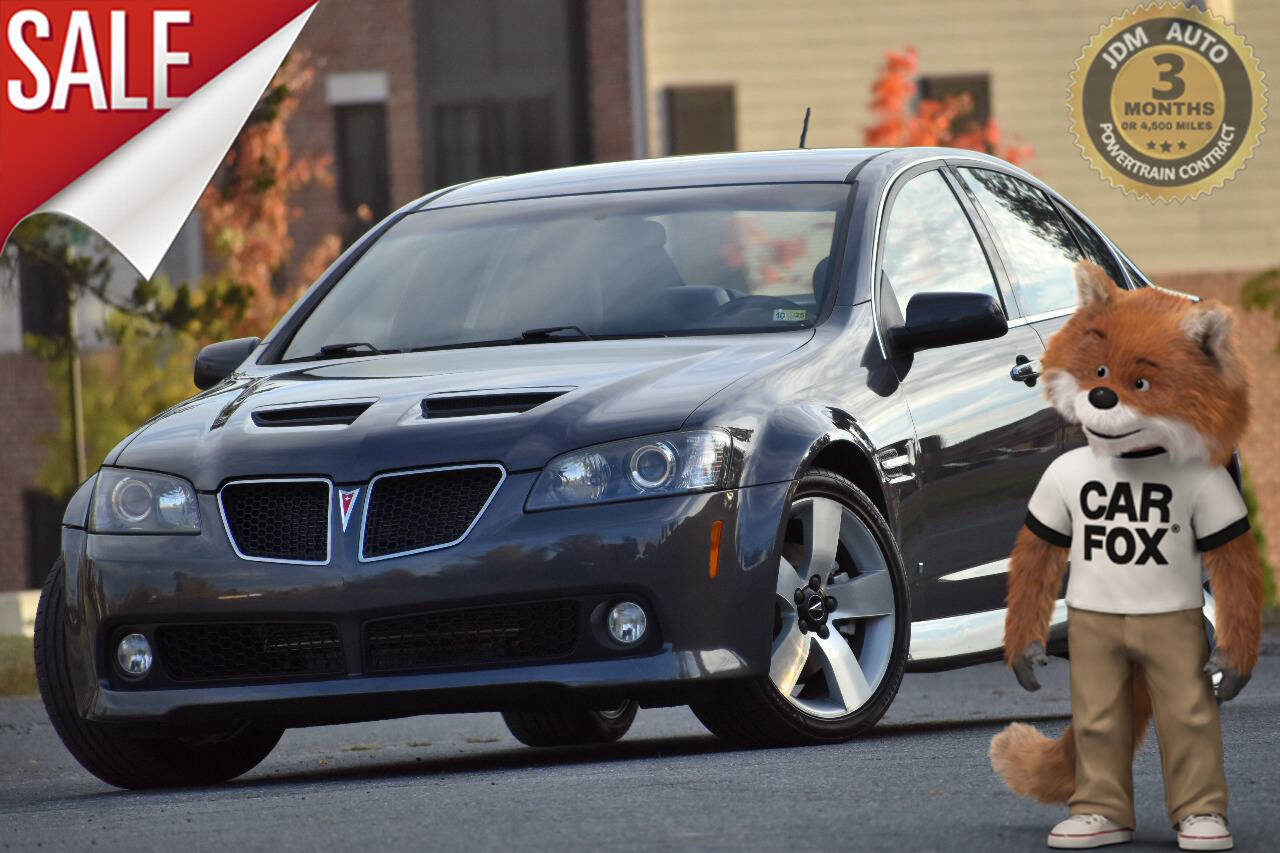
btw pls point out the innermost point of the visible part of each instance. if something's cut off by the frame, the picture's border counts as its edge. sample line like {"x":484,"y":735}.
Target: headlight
{"x":127,"y":501}
{"x":669,"y":464}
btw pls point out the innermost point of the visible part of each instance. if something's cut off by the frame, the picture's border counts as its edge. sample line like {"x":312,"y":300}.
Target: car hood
{"x":611,"y":389}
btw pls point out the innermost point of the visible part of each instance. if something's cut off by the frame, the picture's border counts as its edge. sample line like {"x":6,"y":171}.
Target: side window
{"x":1094,"y":248}
{"x":1035,"y":241}
{"x":929,"y":244}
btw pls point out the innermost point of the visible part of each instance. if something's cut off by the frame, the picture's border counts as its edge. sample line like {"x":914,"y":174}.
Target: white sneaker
{"x":1204,"y":832}
{"x":1089,"y":830}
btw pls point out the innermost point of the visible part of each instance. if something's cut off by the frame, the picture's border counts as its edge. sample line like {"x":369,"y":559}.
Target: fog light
{"x":133,"y":656}
{"x":627,"y":623}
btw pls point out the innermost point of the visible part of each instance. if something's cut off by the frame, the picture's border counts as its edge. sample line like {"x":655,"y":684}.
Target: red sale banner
{"x":117,"y":112}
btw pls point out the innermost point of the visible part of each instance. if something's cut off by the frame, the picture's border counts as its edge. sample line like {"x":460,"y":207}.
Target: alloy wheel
{"x":835,"y":611}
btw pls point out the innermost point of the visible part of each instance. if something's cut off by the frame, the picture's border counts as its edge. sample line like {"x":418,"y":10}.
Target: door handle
{"x":1025,"y":370}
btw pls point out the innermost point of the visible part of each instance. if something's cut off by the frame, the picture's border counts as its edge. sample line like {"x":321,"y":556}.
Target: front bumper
{"x":656,"y":550}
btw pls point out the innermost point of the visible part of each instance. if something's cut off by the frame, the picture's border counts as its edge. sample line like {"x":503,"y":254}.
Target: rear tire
{"x":755,"y":712}
{"x":570,"y":725}
{"x":164,"y":756}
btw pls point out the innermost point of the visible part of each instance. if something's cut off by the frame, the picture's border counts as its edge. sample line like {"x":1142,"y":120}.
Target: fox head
{"x":1148,"y":368}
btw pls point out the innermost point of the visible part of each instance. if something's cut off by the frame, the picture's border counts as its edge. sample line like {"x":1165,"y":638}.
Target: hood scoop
{"x":341,"y":413}
{"x":473,"y":403}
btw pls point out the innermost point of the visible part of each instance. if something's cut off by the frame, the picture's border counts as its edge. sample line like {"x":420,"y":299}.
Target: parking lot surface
{"x":920,"y":781}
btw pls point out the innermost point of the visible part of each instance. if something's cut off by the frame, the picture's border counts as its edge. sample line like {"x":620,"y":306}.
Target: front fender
{"x":785,"y":444}
{"x":77,"y":512}
{"x":75,"y":524}
{"x":78,"y":623}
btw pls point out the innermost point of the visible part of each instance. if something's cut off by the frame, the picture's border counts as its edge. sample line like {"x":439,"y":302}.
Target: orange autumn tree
{"x":246,"y":212}
{"x":254,"y":271}
{"x":931,"y":121}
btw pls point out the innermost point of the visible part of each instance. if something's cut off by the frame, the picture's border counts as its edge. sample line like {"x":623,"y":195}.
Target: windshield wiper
{"x":549,"y":332}
{"x":348,"y":349}
{"x":534,"y":336}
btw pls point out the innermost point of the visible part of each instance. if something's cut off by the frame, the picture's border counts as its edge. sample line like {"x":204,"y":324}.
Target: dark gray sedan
{"x":748,"y":432}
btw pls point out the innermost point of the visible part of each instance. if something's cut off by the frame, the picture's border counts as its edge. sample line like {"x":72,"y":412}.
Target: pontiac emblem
{"x":346,"y":502}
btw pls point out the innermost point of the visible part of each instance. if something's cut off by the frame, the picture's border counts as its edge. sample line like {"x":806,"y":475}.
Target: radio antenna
{"x":804,"y":130}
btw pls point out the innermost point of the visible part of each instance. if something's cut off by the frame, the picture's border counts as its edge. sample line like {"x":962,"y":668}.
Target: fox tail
{"x":1033,"y":765}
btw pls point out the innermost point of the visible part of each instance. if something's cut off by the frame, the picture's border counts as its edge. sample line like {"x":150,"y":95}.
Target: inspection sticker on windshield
{"x":790,"y":315}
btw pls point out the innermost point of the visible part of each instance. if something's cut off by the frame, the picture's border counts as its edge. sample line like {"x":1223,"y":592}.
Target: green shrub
{"x":17,"y":666}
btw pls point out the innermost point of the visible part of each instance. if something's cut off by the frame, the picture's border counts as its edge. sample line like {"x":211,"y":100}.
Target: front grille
{"x":419,"y":510}
{"x":278,"y":519}
{"x":235,"y":650}
{"x":482,"y":635}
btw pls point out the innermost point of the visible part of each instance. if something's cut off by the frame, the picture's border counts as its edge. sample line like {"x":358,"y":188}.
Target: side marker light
{"x":717,"y":529}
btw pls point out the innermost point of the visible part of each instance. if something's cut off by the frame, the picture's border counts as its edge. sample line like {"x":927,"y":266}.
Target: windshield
{"x":627,"y":264}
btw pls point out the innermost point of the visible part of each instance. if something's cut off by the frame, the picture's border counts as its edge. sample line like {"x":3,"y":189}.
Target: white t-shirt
{"x":1136,"y":526}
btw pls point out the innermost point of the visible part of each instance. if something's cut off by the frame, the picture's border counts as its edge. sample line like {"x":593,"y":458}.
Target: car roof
{"x":753,"y":167}
{"x":796,"y":165}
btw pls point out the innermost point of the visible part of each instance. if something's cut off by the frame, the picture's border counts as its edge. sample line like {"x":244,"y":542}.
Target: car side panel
{"x":837,"y":388}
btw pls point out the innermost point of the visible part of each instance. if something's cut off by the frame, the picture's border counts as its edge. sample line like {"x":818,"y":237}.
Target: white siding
{"x":782,"y":57}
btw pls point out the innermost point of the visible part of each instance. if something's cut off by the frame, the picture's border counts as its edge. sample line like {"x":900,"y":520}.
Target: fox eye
{"x":1142,"y":385}
{"x":1102,"y":371}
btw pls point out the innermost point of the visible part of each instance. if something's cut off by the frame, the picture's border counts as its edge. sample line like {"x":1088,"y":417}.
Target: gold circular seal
{"x":1167,"y":102}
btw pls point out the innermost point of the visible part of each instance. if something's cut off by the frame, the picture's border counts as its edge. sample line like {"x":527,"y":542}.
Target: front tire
{"x":165,"y":756}
{"x":570,"y":725}
{"x":837,"y":550}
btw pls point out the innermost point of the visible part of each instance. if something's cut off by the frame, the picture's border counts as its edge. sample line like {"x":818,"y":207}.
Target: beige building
{"x":739,"y":73}
{"x":777,"y":58}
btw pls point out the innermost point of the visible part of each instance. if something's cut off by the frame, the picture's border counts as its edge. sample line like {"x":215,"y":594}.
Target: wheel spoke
{"x":788,"y":580}
{"x":790,"y":654}
{"x":863,"y":596}
{"x":821,"y":519}
{"x":846,"y":684}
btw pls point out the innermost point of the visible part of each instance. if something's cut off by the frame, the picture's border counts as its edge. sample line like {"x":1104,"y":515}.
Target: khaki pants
{"x":1171,"y":649}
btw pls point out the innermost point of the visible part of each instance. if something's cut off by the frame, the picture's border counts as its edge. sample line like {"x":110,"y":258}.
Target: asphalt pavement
{"x":920,"y":781}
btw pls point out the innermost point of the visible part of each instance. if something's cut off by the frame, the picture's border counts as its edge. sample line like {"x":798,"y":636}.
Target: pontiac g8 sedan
{"x":749,"y":432}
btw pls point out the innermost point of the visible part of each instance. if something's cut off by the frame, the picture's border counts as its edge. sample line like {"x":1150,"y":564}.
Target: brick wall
{"x":357,"y":35}
{"x":27,"y":415}
{"x":1261,"y":449}
{"x":379,"y":35}
{"x":609,"y":84}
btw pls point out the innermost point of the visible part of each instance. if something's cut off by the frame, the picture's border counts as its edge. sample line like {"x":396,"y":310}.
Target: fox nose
{"x":1103,"y":398}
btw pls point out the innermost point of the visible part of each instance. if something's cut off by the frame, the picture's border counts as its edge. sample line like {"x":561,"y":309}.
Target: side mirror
{"x":217,"y":361}
{"x":942,"y":319}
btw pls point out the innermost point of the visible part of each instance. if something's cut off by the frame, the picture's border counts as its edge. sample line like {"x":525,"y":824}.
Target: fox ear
{"x":1209,"y":325}
{"x":1093,"y":285}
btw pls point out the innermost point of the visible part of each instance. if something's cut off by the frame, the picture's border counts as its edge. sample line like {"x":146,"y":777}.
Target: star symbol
{"x":1165,"y":146}
{"x":1182,"y":145}
{"x":1151,"y":146}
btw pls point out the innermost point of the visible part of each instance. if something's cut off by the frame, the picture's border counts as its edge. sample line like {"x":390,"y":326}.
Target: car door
{"x":1040,"y":243}
{"x":983,"y":438}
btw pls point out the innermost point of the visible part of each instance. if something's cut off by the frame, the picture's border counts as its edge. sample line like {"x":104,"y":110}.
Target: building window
{"x":364,"y":184}
{"x":940,"y":87}
{"x":479,"y":139}
{"x":43,"y":300}
{"x":700,"y":119}
{"x":359,"y":101}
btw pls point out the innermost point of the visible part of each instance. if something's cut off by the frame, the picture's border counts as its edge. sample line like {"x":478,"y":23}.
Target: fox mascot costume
{"x":1158,"y":385}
